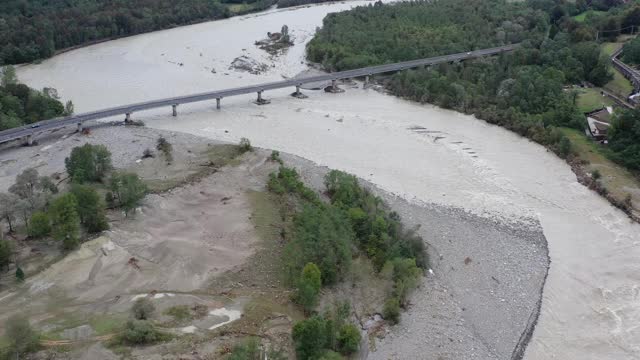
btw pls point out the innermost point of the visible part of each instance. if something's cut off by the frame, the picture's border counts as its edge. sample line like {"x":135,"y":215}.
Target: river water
{"x":591,"y":302}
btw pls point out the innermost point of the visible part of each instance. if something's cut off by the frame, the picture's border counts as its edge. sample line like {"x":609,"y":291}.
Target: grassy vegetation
{"x":619,"y":181}
{"x":591,"y":99}
{"x":583,"y":16}
{"x":619,"y":85}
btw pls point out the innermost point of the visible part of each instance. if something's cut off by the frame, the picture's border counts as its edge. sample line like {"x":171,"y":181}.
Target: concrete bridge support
{"x":298,"y":94}
{"x":29,"y":140}
{"x":260,"y":100}
{"x":80,"y":127}
{"x":334,"y":87}
{"x":218,"y":103}
{"x":127,"y":118}
{"x":174,"y":109}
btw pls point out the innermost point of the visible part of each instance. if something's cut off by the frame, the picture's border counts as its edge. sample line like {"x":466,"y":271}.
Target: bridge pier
{"x":298,"y":94}
{"x":334,"y":87}
{"x":174,"y":109}
{"x":260,"y":100}
{"x":218,"y":103}
{"x":80,"y":127}
{"x":127,"y":118}
{"x":29,"y":140}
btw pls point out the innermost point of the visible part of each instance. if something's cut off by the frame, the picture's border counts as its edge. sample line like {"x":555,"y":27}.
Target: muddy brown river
{"x":591,"y":301}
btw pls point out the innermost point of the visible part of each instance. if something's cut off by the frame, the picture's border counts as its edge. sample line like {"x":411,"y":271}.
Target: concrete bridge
{"x":28,"y":132}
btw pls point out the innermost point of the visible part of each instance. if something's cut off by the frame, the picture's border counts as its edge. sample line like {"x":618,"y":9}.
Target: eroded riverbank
{"x":421,"y":153}
{"x":485,"y":286}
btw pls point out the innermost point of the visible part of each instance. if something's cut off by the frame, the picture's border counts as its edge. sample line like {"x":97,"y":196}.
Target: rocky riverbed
{"x":479,"y":301}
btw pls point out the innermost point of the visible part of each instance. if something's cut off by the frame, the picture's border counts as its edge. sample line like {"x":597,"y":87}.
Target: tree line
{"x":20,"y":105}
{"x":36,"y":29}
{"x":35,"y":206}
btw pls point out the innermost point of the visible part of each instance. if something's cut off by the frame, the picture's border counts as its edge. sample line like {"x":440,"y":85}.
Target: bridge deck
{"x":24,"y":131}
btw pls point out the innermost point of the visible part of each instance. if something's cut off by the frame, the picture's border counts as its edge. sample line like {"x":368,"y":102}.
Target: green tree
{"x":65,"y":223}
{"x":5,"y":254}
{"x":391,"y":310}
{"x":8,"y":208}
{"x":22,"y":337}
{"x":19,"y":274}
{"x":88,"y":163}
{"x":309,"y":338}
{"x":128,"y":190}
{"x":8,"y":76}
{"x":33,"y":189}
{"x":309,"y":286}
{"x":40,"y":226}
{"x":69,"y":108}
{"x":624,"y":138}
{"x":91,"y":208}
{"x":349,"y":339}
{"x":143,"y":309}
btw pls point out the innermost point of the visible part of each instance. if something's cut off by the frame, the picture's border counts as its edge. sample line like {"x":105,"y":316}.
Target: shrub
{"x":22,"y":337}
{"x":331,"y":355}
{"x":164,"y":146}
{"x":595,"y":175}
{"x":247,"y":350}
{"x":564,"y":147}
{"x":391,"y":310}
{"x":349,"y":339}
{"x":309,"y":338}
{"x":275,"y":156}
{"x":406,"y":276}
{"x":141,"y":332}
{"x":147,"y":153}
{"x":143,"y":309}
{"x":88,"y":163}
{"x":309,"y":286}
{"x":179,"y":312}
{"x":90,"y":208}
{"x":39,"y":226}
{"x":65,"y":223}
{"x":245,"y":145}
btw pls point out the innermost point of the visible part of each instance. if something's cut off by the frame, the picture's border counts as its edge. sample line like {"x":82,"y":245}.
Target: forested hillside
{"x":35,"y":29}
{"x":522,"y":91}
{"x":20,"y":105}
{"x":380,"y":33}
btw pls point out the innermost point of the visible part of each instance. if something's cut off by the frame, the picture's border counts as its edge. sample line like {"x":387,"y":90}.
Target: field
{"x":581,"y":17}
{"x":591,"y":99}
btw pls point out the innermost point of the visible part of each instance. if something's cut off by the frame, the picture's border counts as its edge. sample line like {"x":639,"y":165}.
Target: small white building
{"x":598,"y":122}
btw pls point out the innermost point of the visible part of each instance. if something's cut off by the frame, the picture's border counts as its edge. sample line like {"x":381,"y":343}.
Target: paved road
{"x":30,"y":130}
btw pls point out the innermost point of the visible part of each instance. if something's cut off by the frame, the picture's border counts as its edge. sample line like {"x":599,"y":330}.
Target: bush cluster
{"x":321,"y":336}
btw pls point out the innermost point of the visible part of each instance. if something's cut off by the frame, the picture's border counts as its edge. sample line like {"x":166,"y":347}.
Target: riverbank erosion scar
{"x":484,"y":297}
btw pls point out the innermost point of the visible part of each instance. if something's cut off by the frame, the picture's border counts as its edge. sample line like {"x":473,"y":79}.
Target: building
{"x":598,"y":122}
